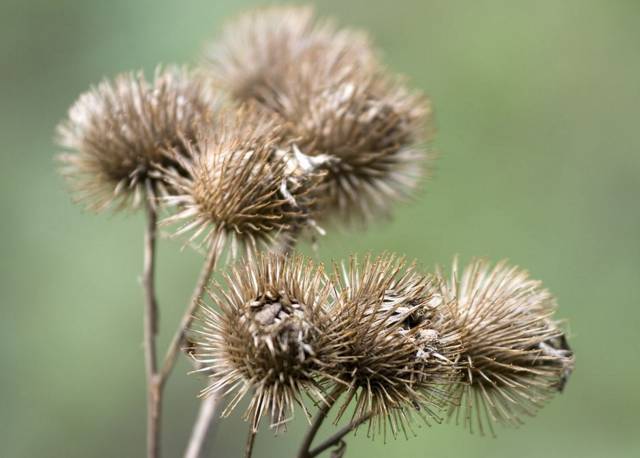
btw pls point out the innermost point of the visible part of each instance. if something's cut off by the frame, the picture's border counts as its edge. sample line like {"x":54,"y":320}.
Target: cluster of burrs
{"x":290,"y":124}
{"x":481,"y":345}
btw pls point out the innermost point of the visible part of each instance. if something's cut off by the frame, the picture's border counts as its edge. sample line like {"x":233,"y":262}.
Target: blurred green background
{"x":537,"y":106}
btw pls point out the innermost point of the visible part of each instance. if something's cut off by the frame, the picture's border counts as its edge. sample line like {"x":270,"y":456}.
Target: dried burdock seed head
{"x":515,"y":356}
{"x":338,"y":102}
{"x":116,"y":134}
{"x":237,"y":183}
{"x":396,"y":351}
{"x":269,"y":338}
{"x":373,"y":130}
{"x":251,"y":57}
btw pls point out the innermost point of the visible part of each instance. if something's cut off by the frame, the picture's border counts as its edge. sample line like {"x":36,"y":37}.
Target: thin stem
{"x":303,"y":452}
{"x":337,"y":437}
{"x":204,"y":422}
{"x":251,"y":438}
{"x":187,"y":318}
{"x":154,"y":396}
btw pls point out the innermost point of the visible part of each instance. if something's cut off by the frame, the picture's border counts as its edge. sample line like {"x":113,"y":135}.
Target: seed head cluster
{"x":337,"y":101}
{"x":293,"y":122}
{"x":396,"y":344}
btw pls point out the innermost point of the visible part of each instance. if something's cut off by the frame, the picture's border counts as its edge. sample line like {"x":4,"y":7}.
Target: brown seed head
{"x":396,"y":350}
{"x":370,"y":127}
{"x":269,"y":338}
{"x":116,"y":134}
{"x":238,"y":183}
{"x":514,"y":355}
{"x":251,"y":57}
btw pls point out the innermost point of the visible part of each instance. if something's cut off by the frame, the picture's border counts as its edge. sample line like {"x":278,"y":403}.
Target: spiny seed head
{"x":396,"y":350}
{"x":251,"y":57}
{"x":514,"y":355}
{"x":369,"y":124}
{"x":117,"y":131}
{"x":237,"y":182}
{"x":269,"y":338}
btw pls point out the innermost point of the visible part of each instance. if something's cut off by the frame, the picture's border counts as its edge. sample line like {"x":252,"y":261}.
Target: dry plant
{"x":289,"y":124}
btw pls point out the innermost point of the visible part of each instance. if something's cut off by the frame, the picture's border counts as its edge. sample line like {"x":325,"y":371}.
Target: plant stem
{"x":251,"y":438}
{"x":303,"y":452}
{"x":337,"y":437}
{"x":154,"y":396}
{"x":202,"y":425}
{"x":187,"y":318}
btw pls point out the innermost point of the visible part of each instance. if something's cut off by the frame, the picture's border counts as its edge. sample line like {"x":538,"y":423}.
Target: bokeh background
{"x":537,"y":108}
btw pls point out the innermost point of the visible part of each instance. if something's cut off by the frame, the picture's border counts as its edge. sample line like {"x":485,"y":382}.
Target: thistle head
{"x":395,"y":349}
{"x":514,"y":356}
{"x":238,"y":182}
{"x":269,"y":339}
{"x":116,"y":134}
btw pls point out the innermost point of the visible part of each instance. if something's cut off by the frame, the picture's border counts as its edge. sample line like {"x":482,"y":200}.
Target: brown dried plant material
{"x":370,"y":129}
{"x":116,"y":134}
{"x":250,"y":58}
{"x":361,"y":125}
{"x":237,"y":183}
{"x":396,"y":351}
{"x":514,"y":354}
{"x":269,"y":339}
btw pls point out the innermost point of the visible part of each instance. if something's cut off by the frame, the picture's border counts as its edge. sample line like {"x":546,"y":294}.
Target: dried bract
{"x":515,"y":356}
{"x":116,"y":134}
{"x":238,"y":183}
{"x":269,"y":339}
{"x":396,"y":350}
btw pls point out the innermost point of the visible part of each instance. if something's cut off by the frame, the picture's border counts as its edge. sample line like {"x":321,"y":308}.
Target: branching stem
{"x":337,"y":437}
{"x":303,"y":452}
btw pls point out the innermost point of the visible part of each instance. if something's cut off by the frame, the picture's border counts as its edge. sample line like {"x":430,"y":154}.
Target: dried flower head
{"x":269,"y":338}
{"x":514,"y":355}
{"x":116,"y":134}
{"x":396,"y":350}
{"x":369,"y":124}
{"x":251,"y":58}
{"x":238,"y":183}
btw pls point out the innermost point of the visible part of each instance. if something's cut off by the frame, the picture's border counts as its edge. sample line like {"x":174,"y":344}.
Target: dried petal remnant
{"x":515,"y":356}
{"x":116,"y":134}
{"x":269,"y":339}
{"x":396,"y":350}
